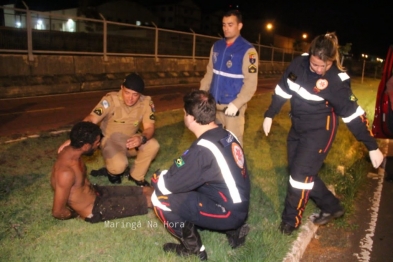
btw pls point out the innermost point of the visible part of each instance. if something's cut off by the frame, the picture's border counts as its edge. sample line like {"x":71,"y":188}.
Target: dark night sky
{"x":368,"y":25}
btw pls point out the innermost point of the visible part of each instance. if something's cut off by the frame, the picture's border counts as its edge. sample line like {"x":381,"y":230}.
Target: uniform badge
{"x":252,"y":57}
{"x":151,"y":104}
{"x":152,"y":117}
{"x":252,"y":69}
{"x":238,"y":155}
{"x":215,"y":55}
{"x":229,"y":63}
{"x":105,"y":104}
{"x":98,"y":111}
{"x":321,"y":84}
{"x":179,"y":162}
{"x":353,"y":98}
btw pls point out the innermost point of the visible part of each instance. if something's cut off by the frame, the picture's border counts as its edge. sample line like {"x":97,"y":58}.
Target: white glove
{"x":231,"y":110}
{"x":376,"y":157}
{"x":267,"y":124}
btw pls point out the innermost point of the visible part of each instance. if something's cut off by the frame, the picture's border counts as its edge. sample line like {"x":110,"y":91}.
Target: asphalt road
{"x":29,"y":116}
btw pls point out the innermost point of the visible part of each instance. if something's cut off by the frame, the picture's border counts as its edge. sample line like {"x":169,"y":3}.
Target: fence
{"x":32,"y":32}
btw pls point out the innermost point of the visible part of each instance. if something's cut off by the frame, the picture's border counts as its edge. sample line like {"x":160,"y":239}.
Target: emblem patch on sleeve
{"x":353,"y":98}
{"x":105,"y":104}
{"x":238,"y":155}
{"x":252,"y":57}
{"x":252,"y":69}
{"x":98,"y":111}
{"x":179,"y":162}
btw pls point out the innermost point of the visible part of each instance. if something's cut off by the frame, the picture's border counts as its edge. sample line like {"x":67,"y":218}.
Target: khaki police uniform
{"x":118,"y":123}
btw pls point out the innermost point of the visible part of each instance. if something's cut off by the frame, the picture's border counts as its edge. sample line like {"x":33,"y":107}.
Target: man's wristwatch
{"x":144,"y":140}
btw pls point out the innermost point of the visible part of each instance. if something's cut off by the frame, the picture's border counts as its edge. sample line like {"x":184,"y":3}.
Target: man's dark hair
{"x":235,"y":13}
{"x":201,"y":105}
{"x":84,"y":133}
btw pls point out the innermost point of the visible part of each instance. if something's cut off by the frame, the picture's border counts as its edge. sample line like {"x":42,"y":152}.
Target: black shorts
{"x":116,"y":202}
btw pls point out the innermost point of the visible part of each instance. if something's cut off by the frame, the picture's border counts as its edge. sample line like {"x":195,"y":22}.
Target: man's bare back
{"x":71,"y":186}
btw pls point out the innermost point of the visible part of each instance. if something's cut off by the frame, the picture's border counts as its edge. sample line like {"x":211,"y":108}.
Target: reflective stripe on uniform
{"x":303,"y":92}
{"x":217,"y":72}
{"x":161,"y":183}
{"x":278,"y":91}
{"x":344,"y":76}
{"x":359,"y":112}
{"x":157,"y":203}
{"x":300,"y":185}
{"x":225,"y":171}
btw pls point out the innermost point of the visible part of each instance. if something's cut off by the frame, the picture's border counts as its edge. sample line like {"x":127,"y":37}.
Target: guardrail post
{"x":193,"y":46}
{"x":104,"y":35}
{"x":29,"y":33}
{"x":156,"y":43}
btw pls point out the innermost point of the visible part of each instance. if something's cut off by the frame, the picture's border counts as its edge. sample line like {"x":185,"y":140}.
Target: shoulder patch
{"x":238,"y":155}
{"x":98,"y":111}
{"x":105,"y":103}
{"x":252,"y":57}
{"x":252,"y":69}
{"x":179,"y":162}
{"x":353,"y":98}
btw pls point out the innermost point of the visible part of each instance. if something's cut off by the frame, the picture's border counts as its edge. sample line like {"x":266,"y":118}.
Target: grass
{"x":29,"y":233}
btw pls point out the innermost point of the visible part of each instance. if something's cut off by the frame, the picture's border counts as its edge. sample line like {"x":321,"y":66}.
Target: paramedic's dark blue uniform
{"x":316,"y":103}
{"x":208,"y":185}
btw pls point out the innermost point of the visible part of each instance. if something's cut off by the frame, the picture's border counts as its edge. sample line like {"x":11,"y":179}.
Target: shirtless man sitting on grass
{"x":75,"y":196}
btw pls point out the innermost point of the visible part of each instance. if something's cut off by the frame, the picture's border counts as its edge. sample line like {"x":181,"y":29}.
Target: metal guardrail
{"x":32,"y":32}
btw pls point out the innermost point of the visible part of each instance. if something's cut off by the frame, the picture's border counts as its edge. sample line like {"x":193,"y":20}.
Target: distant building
{"x":178,"y":15}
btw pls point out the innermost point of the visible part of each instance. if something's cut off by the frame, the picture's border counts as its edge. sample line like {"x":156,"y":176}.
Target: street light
{"x":304,"y":36}
{"x":269,"y":26}
{"x":365,"y":56}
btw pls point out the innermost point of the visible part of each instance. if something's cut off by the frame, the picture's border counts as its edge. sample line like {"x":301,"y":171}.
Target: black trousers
{"x":308,"y":144}
{"x":199,"y":210}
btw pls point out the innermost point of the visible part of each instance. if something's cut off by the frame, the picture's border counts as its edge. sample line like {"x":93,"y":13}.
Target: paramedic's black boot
{"x":286,"y":229}
{"x":237,"y":237}
{"x":191,"y":243}
{"x":324,"y":218}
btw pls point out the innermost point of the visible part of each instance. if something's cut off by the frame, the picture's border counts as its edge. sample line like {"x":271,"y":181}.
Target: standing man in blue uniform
{"x":208,"y":186}
{"x":232,"y":74}
{"x":320,"y":92}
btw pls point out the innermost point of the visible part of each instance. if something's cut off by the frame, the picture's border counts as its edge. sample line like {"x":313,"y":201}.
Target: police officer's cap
{"x":134,"y":82}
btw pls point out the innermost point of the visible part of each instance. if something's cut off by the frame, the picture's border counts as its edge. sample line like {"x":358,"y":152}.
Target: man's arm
{"x":64,"y":182}
{"x":250,"y":81}
{"x":207,"y":79}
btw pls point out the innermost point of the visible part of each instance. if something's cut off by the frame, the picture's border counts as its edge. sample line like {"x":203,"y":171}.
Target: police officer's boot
{"x":99,"y":172}
{"x":191,"y":243}
{"x":237,"y":237}
{"x":114,"y":179}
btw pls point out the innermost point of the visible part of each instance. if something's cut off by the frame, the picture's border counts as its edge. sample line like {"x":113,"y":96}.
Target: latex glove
{"x":231,"y":110}
{"x":376,"y":157}
{"x":267,"y":124}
